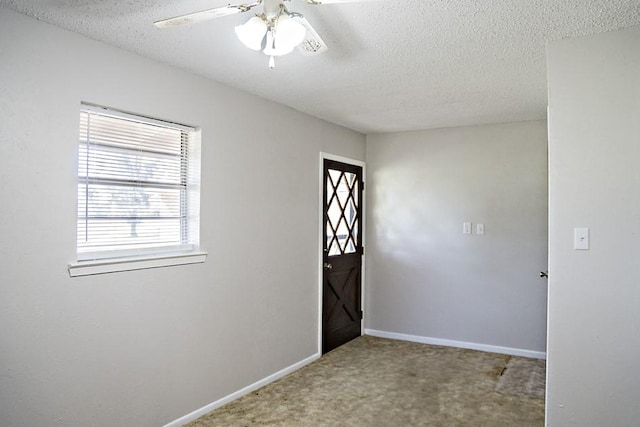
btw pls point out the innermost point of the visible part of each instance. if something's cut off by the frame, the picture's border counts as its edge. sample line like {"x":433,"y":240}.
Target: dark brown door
{"x":342,"y":253}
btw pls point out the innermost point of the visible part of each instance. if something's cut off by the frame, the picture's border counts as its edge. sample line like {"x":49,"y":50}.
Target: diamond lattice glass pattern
{"x":342,"y":212}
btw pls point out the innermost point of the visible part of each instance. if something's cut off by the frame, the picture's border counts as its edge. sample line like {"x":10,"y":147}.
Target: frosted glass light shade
{"x":288,"y":34}
{"x":252,"y":32}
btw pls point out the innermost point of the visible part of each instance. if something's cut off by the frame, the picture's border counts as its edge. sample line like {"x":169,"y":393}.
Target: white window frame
{"x":102,"y":261}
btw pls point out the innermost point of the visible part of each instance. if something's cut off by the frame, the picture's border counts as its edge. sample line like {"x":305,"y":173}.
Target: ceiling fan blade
{"x":337,"y":1}
{"x":206,"y":15}
{"x":312,"y":43}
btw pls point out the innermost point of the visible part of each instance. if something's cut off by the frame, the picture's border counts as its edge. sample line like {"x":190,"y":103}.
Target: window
{"x":138,"y":186}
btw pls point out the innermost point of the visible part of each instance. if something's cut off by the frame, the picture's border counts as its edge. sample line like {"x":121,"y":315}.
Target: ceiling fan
{"x":275,"y":31}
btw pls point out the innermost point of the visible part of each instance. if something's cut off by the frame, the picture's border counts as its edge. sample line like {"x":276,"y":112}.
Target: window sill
{"x":87,"y":268}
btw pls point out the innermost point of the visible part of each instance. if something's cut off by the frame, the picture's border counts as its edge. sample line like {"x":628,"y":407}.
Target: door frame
{"x":321,"y":238}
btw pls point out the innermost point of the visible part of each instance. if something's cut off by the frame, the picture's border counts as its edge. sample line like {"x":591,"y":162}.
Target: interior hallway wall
{"x":143,"y":348}
{"x":424,"y":276}
{"x":594,"y":182}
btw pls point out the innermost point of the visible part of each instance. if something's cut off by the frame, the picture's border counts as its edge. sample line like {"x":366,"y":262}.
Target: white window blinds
{"x":134,"y":179}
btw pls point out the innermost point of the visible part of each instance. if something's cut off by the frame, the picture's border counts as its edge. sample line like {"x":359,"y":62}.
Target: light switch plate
{"x":581,"y":239}
{"x":466,"y":227}
{"x":479,"y":228}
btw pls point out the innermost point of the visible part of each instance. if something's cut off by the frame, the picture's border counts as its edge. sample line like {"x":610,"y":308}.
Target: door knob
{"x":544,"y":274}
{"x":327,"y":266}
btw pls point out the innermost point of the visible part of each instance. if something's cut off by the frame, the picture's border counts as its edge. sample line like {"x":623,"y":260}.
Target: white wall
{"x":424,"y":277}
{"x":146,"y":347}
{"x":594,"y":178}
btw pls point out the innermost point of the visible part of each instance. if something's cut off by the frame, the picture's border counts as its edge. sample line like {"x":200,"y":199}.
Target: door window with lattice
{"x":342,"y":212}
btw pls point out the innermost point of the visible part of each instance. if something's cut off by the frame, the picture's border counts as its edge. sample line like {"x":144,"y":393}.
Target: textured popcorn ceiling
{"x":392,"y":65}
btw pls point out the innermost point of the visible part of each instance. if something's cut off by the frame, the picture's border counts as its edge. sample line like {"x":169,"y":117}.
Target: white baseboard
{"x":460,"y":344}
{"x":248,"y":389}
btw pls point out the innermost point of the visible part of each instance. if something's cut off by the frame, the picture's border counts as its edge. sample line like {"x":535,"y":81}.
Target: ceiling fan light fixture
{"x":283,"y":30}
{"x":252,"y":32}
{"x":287,"y":34}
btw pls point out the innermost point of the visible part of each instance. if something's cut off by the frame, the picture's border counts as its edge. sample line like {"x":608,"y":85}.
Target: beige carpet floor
{"x":378,"y":382}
